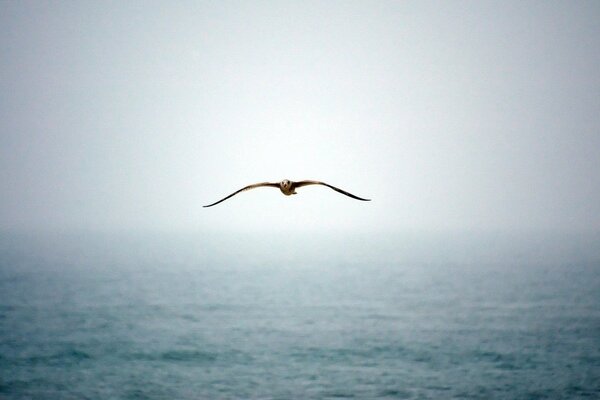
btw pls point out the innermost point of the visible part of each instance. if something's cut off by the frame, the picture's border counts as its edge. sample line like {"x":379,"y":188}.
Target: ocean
{"x":257,"y":316}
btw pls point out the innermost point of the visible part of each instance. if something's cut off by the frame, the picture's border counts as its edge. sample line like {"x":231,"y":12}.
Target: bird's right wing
{"x":245,"y":188}
{"x":308,"y":182}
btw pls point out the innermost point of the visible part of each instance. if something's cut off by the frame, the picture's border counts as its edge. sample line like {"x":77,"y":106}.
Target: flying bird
{"x":288,"y":188}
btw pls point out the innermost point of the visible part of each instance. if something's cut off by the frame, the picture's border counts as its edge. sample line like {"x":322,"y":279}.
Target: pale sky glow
{"x":449,"y":115}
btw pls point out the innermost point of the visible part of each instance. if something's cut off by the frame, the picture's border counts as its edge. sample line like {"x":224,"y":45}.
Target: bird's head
{"x":286,"y":187}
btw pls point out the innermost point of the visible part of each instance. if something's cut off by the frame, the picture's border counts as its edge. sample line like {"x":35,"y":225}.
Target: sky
{"x":449,"y":115}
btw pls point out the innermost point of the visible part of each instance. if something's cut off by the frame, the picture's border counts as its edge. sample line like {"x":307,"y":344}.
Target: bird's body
{"x":288,"y":188}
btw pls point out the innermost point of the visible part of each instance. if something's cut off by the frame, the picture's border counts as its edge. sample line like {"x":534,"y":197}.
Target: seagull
{"x":288,"y":188}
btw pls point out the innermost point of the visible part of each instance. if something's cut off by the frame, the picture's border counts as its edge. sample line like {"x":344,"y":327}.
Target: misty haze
{"x":472,"y":128}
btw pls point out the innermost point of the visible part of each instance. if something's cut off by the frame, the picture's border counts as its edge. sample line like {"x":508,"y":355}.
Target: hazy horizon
{"x":474,"y":127}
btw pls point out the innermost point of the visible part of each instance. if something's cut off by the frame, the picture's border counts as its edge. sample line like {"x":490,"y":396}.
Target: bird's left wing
{"x":245,"y":188}
{"x":306,"y":183}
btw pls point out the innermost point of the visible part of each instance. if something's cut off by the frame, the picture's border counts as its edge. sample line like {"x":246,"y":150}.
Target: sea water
{"x":250,"y":317}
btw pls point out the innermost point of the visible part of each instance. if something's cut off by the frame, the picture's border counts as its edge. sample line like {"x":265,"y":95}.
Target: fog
{"x":461,"y":116}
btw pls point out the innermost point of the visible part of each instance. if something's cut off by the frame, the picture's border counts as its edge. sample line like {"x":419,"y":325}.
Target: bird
{"x":288,"y":188}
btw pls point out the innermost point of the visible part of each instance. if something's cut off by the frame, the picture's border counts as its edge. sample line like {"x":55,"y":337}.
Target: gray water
{"x":192,"y":317}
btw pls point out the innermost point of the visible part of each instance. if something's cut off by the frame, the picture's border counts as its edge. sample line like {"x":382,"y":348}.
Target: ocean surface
{"x":174,"y":316}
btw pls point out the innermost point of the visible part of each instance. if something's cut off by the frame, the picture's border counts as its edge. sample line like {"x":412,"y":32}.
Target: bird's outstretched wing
{"x":305,"y":183}
{"x":245,"y":188}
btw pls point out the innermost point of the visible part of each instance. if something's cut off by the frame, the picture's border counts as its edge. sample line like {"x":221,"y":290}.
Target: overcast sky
{"x":448,"y":114}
